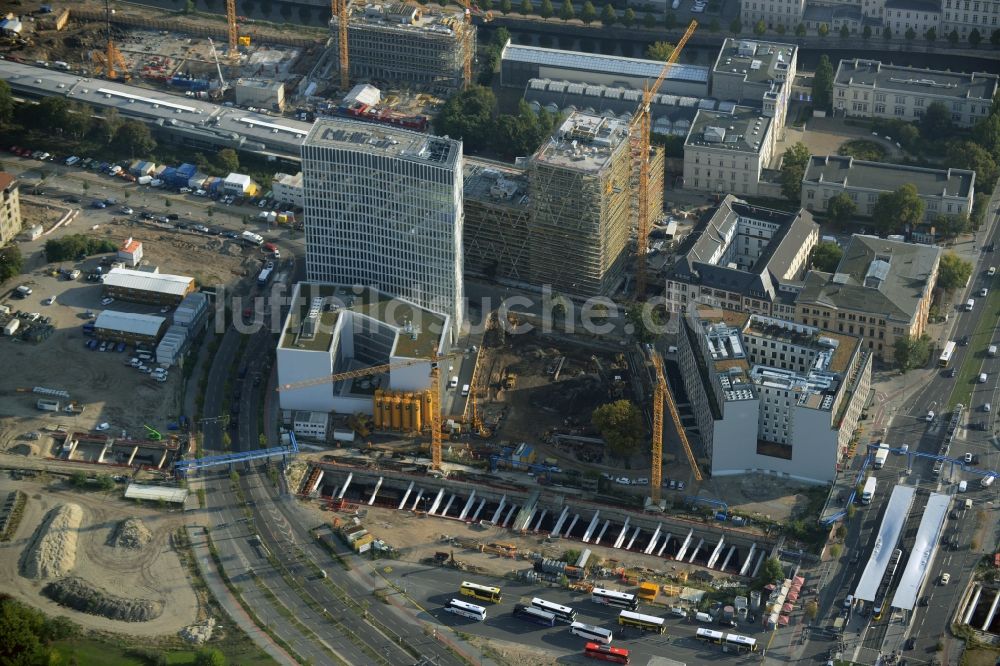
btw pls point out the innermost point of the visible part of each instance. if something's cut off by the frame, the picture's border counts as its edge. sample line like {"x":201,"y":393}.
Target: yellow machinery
{"x":395,"y":408}
{"x":109,"y":63}
{"x":234,"y":52}
{"x":660,"y":395}
{"x":639,"y":135}
{"x":338,"y":8}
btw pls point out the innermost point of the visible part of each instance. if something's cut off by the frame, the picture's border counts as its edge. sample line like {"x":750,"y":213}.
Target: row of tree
{"x":469,"y":115}
{"x":975,"y":37}
{"x":74,"y":246}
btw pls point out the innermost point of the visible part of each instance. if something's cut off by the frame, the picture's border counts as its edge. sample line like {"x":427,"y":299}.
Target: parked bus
{"x":615,"y":655}
{"x":644,"y":622}
{"x":949,"y":351}
{"x":741,"y":643}
{"x":562,"y":613}
{"x":483,"y":592}
{"x":710,"y":636}
{"x":471,"y":611}
{"x":591,"y":633}
{"x":601,"y":595}
{"x":532,"y":614}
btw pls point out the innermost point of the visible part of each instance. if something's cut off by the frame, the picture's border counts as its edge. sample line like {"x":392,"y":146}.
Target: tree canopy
{"x":660,"y":51}
{"x":936,"y":121}
{"x":953,"y":272}
{"x":11,"y":262}
{"x":841,"y":208}
{"x":27,"y":634}
{"x":912,"y":352}
{"x":468,"y":115}
{"x":793,"y":168}
{"x":771,"y":572}
{"x":826,"y":256}
{"x":133,"y":137}
{"x":620,"y":424}
{"x":823,"y":84}
{"x":6,"y":103}
{"x":68,"y":248}
{"x":895,"y":210}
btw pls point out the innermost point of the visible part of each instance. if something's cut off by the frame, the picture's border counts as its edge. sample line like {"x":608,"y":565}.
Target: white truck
{"x":252,"y":238}
{"x":868,"y":492}
{"x":880,"y":457}
{"x":145,"y":180}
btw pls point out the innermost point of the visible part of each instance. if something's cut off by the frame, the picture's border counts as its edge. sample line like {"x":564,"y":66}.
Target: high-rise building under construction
{"x":403,"y":43}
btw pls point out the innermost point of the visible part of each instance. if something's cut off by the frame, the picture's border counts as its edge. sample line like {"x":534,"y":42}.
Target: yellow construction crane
{"x":338,"y":8}
{"x":470,"y":51}
{"x":662,"y":394}
{"x":110,"y":63}
{"x":639,"y":135}
{"x":234,"y":51}
{"x":477,"y":422}
{"x":388,"y":367}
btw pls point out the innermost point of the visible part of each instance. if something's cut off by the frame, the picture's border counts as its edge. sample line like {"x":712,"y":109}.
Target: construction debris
{"x":52,"y":553}
{"x":132,"y":533}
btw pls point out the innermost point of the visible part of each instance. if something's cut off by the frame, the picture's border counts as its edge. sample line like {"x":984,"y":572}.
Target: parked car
{"x":120,"y":347}
{"x":107,"y":300}
{"x":945,"y":577}
{"x":98,"y":205}
{"x":104,"y":346}
{"x":126,"y":210}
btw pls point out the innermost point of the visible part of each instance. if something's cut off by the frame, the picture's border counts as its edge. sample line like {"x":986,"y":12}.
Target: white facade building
{"x":772,"y":12}
{"x":726,"y":153}
{"x":383,"y":208}
{"x":964,"y":16}
{"x":287,"y":189}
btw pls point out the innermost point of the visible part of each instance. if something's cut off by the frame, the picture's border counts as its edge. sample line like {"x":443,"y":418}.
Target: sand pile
{"x":83,"y":596}
{"x":52,"y":554}
{"x":132,"y":533}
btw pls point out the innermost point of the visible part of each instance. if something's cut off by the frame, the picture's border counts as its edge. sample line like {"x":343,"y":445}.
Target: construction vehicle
{"x":153,"y":434}
{"x":509,"y":380}
{"x":662,"y":394}
{"x":110,"y":63}
{"x":435,"y":389}
{"x":640,"y":129}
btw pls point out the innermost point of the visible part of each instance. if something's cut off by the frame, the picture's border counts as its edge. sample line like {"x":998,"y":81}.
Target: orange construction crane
{"x":339,"y":9}
{"x":110,"y":63}
{"x":470,"y":54}
{"x":234,"y":51}
{"x":477,"y":422}
{"x":387,"y":367}
{"x":639,"y":135}
{"x":660,"y":395}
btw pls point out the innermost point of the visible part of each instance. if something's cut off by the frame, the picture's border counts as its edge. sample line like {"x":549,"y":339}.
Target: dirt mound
{"x":80,"y":595}
{"x":132,"y":533}
{"x":52,"y":553}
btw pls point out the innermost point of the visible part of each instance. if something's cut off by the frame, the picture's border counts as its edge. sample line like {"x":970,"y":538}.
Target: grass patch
{"x":981,"y":338}
{"x":863,"y":149}
{"x":94,"y":650}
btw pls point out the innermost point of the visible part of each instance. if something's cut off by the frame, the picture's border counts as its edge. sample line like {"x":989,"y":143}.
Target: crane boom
{"x":639,"y":133}
{"x":664,"y":395}
{"x":339,"y":9}
{"x":234,"y":53}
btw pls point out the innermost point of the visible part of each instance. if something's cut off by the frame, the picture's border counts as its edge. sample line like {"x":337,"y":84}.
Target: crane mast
{"x":234,"y":52}
{"x":338,"y":8}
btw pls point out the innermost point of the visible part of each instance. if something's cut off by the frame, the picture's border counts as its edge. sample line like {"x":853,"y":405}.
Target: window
{"x":880,"y":108}
{"x":900,"y":99}
{"x":899,"y":111}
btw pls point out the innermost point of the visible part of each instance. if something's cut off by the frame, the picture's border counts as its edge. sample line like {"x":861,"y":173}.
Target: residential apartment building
{"x":871,"y":89}
{"x":756,"y":73}
{"x":917,"y":15}
{"x":10,"y":208}
{"x":726,"y":152}
{"x":964,"y":16}
{"x":772,"y":396}
{"x":383,"y":208}
{"x":881,"y":291}
{"x":744,"y":258}
{"x":772,"y":12}
{"x":287,"y":189}
{"x":945,"y":191}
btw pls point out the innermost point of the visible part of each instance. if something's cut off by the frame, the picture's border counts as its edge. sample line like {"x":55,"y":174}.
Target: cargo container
{"x":47,"y":405}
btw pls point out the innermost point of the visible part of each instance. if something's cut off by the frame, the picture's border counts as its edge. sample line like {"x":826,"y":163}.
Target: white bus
{"x":644,"y":622}
{"x":562,"y":613}
{"x":710,"y":636}
{"x":464,"y":609}
{"x":607,"y":597}
{"x":591,"y":633}
{"x":532,"y":614}
{"x":484,"y":592}
{"x":741,"y":643}
{"x":949,"y":351}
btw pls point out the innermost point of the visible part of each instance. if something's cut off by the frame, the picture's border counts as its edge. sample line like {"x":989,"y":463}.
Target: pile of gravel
{"x":52,"y":553}
{"x":80,"y":595}
{"x":132,"y":533}
{"x":200,"y":633}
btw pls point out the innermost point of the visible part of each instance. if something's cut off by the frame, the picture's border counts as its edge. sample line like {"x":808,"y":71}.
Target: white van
{"x":963,"y":485}
{"x":983,"y":377}
{"x":465,"y":389}
{"x":969,"y":304}
{"x":992,"y":351}
{"x":987,"y":481}
{"x":704,"y":618}
{"x":453,"y":383}
{"x":678,"y":611}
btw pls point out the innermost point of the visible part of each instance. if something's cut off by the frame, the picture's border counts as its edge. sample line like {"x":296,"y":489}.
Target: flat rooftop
{"x":884,"y":177}
{"x":362,"y":137}
{"x":416,"y":326}
{"x":401,"y":16}
{"x":755,"y":61}
{"x":915,"y":81}
{"x":261,"y":84}
{"x":583,"y":142}
{"x":603,"y":64}
{"x":841,"y":345}
{"x":495,"y":183}
{"x":743,"y":130}
{"x":721,"y":330}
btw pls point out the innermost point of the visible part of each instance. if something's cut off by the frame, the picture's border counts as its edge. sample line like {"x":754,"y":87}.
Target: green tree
{"x":845,"y":33}
{"x":608,"y":15}
{"x":995,"y":37}
{"x":500,"y":37}
{"x":50,"y":112}
{"x":826,"y":257}
{"x":780,"y":29}
{"x":505,"y":7}
{"x":646,"y":322}
{"x":950,"y":226}
{"x":822,"y":88}
{"x":527,"y":7}
{"x":823,"y":30}
{"x":975,"y":156}
{"x":895,"y":210}
{"x":910,"y":34}
{"x":11,"y":262}
{"x":841,"y":208}
{"x":931,"y":35}
{"x":621,"y":426}
{"x":736,"y":27}
{"x":811,"y":607}
{"x":953,"y":272}
{"x":936,"y":121}
{"x":793,"y":168}
{"x":660,"y":51}
{"x":953,"y":37}
{"x":546,"y":11}
{"x":866,"y":34}
{"x":759,"y":28}
{"x":911,"y":352}
{"x":468,"y":115}
{"x":987,"y":134}
{"x":228,"y":160}
{"x":771,"y":572}
{"x":975,"y":38}
{"x":210,"y":657}
{"x":887,"y":32}
{"x":800,"y":30}
{"x":78,"y":121}
{"x":133,"y":138}
{"x":566,"y":12}
{"x":6,"y":103}
{"x":628,"y":18}
{"x":588,"y":14}
{"x":189,"y":7}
